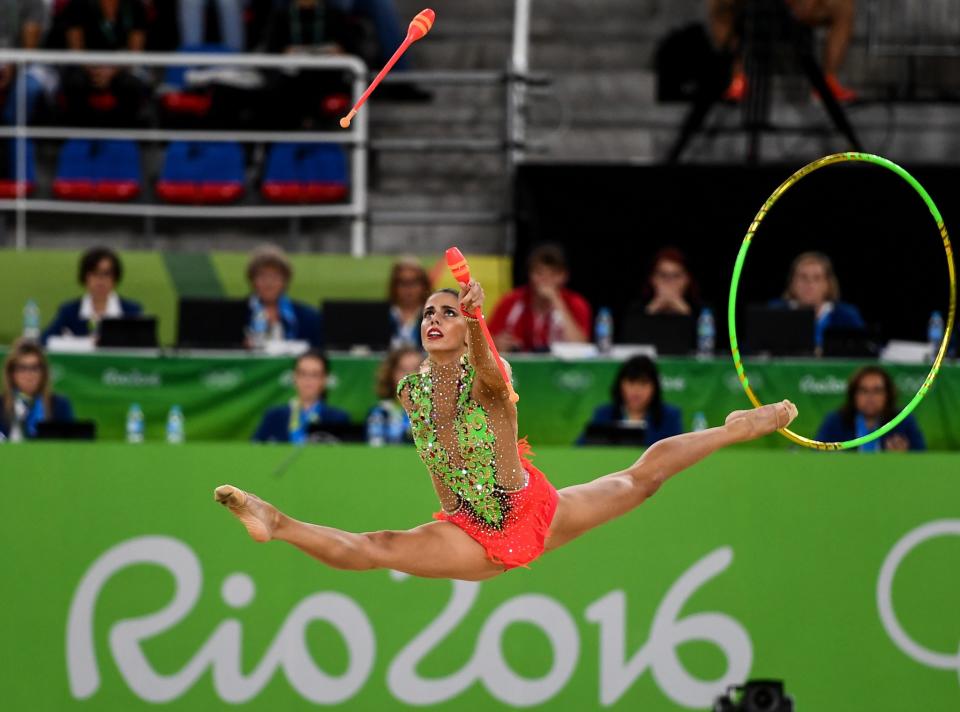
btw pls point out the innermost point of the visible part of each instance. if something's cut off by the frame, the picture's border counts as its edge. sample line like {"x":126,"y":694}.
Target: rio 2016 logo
{"x":909,"y":542}
{"x":221,"y":653}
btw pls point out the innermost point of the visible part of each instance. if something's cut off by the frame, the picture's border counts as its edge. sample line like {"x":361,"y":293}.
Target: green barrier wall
{"x":224,"y":398}
{"x":127,"y":587}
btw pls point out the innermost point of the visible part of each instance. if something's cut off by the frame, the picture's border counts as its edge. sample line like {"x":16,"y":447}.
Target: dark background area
{"x":611,"y":219}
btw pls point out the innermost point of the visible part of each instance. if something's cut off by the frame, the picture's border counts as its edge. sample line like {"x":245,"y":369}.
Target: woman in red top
{"x":498,"y":510}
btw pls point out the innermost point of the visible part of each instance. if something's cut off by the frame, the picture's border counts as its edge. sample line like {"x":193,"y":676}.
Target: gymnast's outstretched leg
{"x":583,"y":507}
{"x":433,"y":550}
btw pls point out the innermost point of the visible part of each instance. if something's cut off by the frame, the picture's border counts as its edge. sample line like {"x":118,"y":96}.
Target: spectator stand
{"x":85,"y":189}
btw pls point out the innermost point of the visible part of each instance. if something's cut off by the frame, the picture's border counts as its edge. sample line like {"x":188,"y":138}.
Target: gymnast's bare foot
{"x":259,"y":517}
{"x":765,"y":419}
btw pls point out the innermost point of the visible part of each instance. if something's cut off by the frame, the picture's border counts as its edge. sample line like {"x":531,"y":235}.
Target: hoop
{"x":951,"y":313}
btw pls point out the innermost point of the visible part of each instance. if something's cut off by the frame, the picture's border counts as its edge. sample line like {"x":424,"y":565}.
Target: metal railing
{"x":357,"y":138}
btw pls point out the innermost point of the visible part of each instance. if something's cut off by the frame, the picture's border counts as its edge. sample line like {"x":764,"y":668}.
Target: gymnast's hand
{"x":471,"y":297}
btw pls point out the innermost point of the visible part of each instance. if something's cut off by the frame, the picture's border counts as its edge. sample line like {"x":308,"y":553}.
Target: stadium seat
{"x":107,"y":170}
{"x":10,"y":187}
{"x":176,"y":98}
{"x":305,"y":173}
{"x":205,"y":173}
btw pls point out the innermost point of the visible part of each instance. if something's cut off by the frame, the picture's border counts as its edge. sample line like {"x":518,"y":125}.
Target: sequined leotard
{"x":465,"y":430}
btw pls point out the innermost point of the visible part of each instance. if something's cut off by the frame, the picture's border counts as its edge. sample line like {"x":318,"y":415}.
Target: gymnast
{"x":498,"y":511}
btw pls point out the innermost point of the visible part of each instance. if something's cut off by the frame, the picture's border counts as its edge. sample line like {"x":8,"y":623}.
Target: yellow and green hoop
{"x":741,"y":257}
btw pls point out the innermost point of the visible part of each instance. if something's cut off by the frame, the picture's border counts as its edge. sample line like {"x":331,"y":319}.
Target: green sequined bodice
{"x":475,"y":482}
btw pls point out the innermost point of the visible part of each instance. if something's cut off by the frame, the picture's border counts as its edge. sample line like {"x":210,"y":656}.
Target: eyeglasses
{"x":105,"y":273}
{"x":28,"y":368}
{"x":411,"y":282}
{"x":309,"y":374}
{"x":875,"y":391}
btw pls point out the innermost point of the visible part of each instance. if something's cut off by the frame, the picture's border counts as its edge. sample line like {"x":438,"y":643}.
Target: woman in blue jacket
{"x":813,"y":284}
{"x":291,"y":423}
{"x":272,"y":312}
{"x":27,"y":400}
{"x":637,"y":400}
{"x":871,"y":402}
{"x":100,"y":272}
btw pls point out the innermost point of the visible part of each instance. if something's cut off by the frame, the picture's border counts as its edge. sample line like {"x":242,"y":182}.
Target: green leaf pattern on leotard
{"x":475,"y":482}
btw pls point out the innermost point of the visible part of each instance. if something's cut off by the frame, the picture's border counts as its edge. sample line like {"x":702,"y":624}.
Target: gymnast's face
{"x":444,"y":328}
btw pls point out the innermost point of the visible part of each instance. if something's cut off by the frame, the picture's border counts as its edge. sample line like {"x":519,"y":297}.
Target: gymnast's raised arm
{"x":478,"y":350}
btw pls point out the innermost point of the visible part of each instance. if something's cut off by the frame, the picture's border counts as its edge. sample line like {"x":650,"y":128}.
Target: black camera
{"x":755,"y":696}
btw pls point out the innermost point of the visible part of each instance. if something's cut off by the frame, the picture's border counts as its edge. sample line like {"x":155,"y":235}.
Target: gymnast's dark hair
{"x":639,"y":368}
{"x":446,"y":290}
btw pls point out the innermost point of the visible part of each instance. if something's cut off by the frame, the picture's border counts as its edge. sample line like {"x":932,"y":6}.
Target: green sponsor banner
{"x":224,"y":398}
{"x":127,"y":587}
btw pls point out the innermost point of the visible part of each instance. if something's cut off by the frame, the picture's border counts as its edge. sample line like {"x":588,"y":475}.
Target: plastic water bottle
{"x":699,"y":421}
{"x":135,"y":424}
{"x":935,"y":333}
{"x":31,"y":320}
{"x":603,"y":330}
{"x":175,"y":426}
{"x":376,"y":428}
{"x":706,"y":334}
{"x":259,"y":330}
{"x":396,"y":428}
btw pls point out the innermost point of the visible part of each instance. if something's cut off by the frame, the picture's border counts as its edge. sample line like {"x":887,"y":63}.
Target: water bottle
{"x":376,"y":428}
{"x":31,"y":320}
{"x":603,"y":330}
{"x":396,"y":428}
{"x":699,"y":421}
{"x":259,"y":329}
{"x":706,"y":334}
{"x":935,"y":333}
{"x":135,"y":424}
{"x":175,"y":426}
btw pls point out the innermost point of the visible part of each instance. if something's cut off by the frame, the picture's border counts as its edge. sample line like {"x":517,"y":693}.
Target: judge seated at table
{"x":100,"y":272}
{"x":273,"y":315}
{"x":637,"y":402}
{"x":871,"y":403}
{"x":291,"y":423}
{"x":27,"y":400}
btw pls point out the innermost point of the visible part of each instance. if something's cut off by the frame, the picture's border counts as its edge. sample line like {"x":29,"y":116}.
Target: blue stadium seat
{"x":106,"y":170}
{"x":306,"y":173}
{"x":203,"y":173}
{"x":10,"y":187}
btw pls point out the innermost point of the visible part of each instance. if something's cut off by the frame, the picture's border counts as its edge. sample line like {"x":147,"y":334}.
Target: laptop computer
{"x":614,"y":434}
{"x":348,"y":324}
{"x":204,"y":323}
{"x":671,"y":334}
{"x":67,"y":430}
{"x":334,"y":433}
{"x":778,"y":331}
{"x":136,"y":332}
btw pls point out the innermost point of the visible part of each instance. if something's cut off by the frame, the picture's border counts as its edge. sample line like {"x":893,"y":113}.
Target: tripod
{"x":764,"y":23}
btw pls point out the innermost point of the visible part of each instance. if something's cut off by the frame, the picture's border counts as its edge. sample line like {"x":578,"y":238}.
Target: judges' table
{"x":126,"y":587}
{"x":224,"y":395}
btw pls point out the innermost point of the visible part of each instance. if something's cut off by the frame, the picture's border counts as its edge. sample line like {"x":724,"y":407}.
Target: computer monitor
{"x":212,"y":323}
{"x":348,"y":324}
{"x":671,"y":334}
{"x":336,"y":433}
{"x":66,"y":430}
{"x":779,"y":331}
{"x":130,"y":332}
{"x":614,"y":434}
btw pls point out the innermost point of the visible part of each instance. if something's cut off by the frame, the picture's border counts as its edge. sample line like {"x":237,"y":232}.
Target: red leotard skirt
{"x":529,"y":514}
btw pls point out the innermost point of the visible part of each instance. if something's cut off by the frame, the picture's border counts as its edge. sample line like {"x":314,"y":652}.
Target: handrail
{"x":357,"y":137}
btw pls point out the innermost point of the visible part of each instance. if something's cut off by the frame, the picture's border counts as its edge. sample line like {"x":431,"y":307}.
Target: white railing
{"x":357,"y":137}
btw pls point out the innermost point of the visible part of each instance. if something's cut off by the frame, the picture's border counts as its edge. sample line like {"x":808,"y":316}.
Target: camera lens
{"x":762,"y":699}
